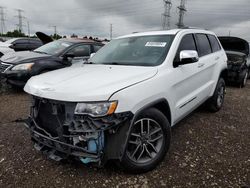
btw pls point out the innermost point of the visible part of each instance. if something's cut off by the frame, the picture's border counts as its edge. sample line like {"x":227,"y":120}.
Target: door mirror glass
{"x":188,"y":56}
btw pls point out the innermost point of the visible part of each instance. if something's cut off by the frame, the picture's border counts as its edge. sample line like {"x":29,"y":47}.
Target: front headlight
{"x":96,"y":109}
{"x":25,"y":66}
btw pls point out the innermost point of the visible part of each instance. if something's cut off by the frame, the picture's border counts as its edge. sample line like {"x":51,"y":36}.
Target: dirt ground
{"x":207,"y":150}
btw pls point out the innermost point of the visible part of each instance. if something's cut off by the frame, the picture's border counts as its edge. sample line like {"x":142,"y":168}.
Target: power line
{"x":182,"y":10}
{"x":20,"y":19}
{"x":166,"y":15}
{"x":2,"y":19}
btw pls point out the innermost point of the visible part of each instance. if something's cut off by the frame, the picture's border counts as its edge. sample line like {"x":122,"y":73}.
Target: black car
{"x":237,"y":51}
{"x":22,"y":44}
{"x":16,"y":68}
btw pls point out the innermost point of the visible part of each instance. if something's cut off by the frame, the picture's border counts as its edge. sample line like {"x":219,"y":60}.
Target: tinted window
{"x":21,"y":41}
{"x":187,"y":43}
{"x":214,"y":43}
{"x":80,"y":51}
{"x":204,"y":47}
{"x":96,"y":48}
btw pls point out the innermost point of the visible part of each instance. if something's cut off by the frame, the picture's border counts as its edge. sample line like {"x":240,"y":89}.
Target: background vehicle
{"x":121,"y":105}
{"x":19,"y":44}
{"x":237,"y":51}
{"x":18,"y":67}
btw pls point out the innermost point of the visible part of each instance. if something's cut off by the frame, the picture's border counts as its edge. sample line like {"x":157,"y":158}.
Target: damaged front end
{"x":61,"y":133}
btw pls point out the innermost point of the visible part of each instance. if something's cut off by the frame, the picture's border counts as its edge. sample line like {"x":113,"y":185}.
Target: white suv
{"x":122,"y":104}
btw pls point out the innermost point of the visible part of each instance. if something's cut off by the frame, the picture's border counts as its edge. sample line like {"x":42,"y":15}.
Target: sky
{"x":93,"y":17}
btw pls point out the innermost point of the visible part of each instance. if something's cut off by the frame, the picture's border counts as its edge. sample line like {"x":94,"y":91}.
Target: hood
{"x":4,"y":44}
{"x":43,"y":37}
{"x":234,"y":44}
{"x":87,"y":83}
{"x":25,"y":56}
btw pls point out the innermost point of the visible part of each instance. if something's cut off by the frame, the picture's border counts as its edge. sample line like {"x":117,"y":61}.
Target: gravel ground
{"x":208,"y":150}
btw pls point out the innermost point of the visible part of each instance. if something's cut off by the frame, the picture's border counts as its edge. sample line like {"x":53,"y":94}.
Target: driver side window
{"x":80,"y":51}
{"x":187,"y":43}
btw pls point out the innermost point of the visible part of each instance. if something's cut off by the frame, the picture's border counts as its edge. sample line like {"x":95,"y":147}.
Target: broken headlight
{"x":96,"y":109}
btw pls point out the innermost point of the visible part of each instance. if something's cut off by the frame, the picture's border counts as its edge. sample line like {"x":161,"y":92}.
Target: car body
{"x":18,"y":67}
{"x":19,"y":44}
{"x":122,"y":104}
{"x":237,"y":50}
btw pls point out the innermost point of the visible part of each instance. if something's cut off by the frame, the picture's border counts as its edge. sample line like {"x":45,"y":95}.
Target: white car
{"x":122,"y":104}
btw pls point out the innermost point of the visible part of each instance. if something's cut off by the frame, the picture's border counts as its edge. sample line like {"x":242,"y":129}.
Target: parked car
{"x":19,"y":44}
{"x":18,"y":67}
{"x":122,"y":104}
{"x":237,"y":51}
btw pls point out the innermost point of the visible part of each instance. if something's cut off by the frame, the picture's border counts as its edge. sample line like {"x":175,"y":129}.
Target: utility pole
{"x":182,"y":10}
{"x":2,"y":19}
{"x":111,"y":31}
{"x":28,"y":24}
{"x":166,"y":15}
{"x":20,"y":19}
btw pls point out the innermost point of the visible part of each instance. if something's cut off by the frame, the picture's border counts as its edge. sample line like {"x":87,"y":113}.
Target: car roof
{"x":79,"y":40}
{"x":168,"y":32}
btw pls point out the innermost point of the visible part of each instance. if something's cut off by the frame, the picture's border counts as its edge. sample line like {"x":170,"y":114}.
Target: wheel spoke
{"x":141,"y":127}
{"x":136,"y":135}
{"x":141,"y":152}
{"x":133,"y":142}
{"x":155,"y":131}
{"x":136,"y":149}
{"x":148,"y":127}
{"x":157,"y":138}
{"x":152,"y":146}
{"x":149,"y":154}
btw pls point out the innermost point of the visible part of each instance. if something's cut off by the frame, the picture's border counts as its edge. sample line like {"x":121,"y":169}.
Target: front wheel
{"x":148,"y":142}
{"x":215,"y":103}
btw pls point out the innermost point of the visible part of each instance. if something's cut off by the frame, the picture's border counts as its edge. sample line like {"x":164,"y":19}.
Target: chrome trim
{"x":9,"y":66}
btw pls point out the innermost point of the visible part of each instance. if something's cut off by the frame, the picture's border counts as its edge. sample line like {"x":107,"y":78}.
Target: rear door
{"x":81,"y":52}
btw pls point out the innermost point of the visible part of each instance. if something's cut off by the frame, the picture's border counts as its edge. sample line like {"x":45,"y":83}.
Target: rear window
{"x":214,"y":43}
{"x":204,"y":47}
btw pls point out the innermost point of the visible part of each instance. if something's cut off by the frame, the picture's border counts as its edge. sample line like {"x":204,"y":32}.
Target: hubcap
{"x":220,"y":98}
{"x":145,"y":141}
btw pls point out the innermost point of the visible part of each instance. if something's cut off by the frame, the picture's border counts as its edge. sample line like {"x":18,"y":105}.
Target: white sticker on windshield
{"x":156,"y":44}
{"x":65,"y":44}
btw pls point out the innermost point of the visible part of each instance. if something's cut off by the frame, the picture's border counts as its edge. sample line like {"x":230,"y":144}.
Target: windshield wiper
{"x":41,"y":52}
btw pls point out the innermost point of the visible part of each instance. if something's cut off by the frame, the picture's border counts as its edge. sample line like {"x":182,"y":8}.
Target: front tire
{"x":215,"y":103}
{"x":148,"y":142}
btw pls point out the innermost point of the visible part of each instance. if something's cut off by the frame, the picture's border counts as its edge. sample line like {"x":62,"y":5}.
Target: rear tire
{"x":148,"y":142}
{"x":215,"y":103}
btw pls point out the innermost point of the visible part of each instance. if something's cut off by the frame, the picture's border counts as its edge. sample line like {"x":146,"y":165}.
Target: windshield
{"x":135,"y":51}
{"x":54,"y":48}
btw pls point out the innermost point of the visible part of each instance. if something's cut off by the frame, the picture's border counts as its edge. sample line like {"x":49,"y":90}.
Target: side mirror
{"x":92,"y":54}
{"x":68,"y":55}
{"x":188,"y":56}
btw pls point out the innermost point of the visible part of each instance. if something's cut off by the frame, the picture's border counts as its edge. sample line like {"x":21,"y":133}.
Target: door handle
{"x":217,"y":58}
{"x":200,"y":65}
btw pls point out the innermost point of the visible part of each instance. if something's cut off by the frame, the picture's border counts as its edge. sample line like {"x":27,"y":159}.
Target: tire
{"x":160,"y":131}
{"x":215,"y":103}
{"x":243,"y":82}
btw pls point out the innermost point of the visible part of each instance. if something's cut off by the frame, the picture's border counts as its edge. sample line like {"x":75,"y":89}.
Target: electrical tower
{"x":111,"y":31}
{"x":2,"y":19}
{"x":166,"y":15}
{"x":182,"y":10}
{"x":20,"y":19}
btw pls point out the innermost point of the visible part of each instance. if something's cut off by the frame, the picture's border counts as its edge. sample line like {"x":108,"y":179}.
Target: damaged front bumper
{"x":60,"y":134}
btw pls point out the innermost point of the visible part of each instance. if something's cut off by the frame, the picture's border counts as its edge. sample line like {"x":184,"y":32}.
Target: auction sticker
{"x":156,"y":44}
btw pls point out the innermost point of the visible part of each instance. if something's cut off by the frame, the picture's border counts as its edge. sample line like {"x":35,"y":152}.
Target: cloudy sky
{"x":93,"y":17}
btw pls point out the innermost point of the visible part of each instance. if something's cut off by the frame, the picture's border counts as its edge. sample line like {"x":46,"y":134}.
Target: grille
{"x":51,"y":117}
{"x":3,"y":67}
